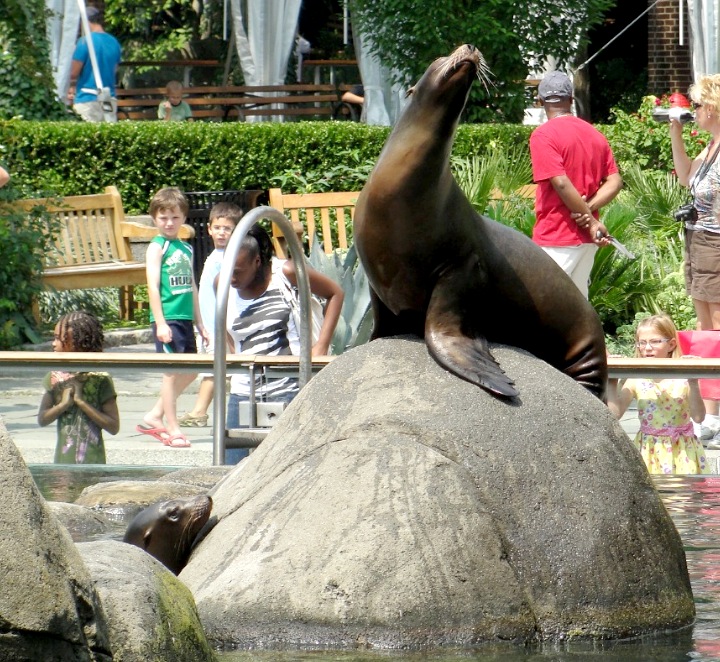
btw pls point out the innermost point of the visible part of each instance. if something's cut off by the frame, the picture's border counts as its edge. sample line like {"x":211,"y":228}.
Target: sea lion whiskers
{"x":189,"y":530}
{"x":467,"y":53}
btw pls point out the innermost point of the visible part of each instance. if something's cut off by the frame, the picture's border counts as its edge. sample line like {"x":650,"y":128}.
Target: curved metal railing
{"x":223,"y":291}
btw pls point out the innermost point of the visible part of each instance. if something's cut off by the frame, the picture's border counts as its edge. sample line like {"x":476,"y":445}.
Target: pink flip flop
{"x":177,"y":440}
{"x":159,"y":434}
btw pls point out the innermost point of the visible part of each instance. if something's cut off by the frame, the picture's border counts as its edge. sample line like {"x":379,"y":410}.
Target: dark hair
{"x":87,"y":332}
{"x":257,"y":242}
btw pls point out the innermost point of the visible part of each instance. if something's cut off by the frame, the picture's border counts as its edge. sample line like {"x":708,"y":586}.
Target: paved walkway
{"x":20,"y":396}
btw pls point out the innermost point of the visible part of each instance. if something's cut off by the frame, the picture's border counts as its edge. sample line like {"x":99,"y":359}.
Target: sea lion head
{"x":447,"y":81}
{"x":167,"y":529}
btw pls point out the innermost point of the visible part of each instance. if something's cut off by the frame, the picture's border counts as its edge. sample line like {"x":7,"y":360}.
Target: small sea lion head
{"x":167,"y":529}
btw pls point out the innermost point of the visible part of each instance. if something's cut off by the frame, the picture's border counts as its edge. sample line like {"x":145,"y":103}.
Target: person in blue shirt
{"x":82,"y":92}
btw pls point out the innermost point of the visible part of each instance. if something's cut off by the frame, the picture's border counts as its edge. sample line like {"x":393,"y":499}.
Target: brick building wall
{"x":669,"y":64}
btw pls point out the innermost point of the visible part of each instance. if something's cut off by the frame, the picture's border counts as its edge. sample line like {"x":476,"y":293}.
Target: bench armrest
{"x":135,"y":230}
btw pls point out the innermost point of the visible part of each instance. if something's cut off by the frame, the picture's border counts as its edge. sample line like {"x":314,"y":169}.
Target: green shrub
{"x":25,"y":241}
{"x":638,"y":140}
{"x":75,"y":158}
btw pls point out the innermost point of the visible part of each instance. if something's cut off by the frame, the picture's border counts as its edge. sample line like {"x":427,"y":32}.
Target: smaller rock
{"x":151,"y":613}
{"x":81,"y":522}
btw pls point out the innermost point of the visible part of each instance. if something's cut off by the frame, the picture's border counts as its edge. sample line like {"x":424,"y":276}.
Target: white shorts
{"x":576,"y":261}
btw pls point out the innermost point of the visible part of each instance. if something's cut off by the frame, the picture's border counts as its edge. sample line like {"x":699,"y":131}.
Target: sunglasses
{"x":697,"y":105}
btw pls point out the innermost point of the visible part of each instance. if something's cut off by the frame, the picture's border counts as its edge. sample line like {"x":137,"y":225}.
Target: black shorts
{"x":183,"y":338}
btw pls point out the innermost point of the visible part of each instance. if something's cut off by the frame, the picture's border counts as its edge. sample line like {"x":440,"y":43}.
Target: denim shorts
{"x":232,"y":421}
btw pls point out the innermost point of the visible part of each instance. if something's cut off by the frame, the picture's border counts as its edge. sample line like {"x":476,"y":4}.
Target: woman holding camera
{"x":702,"y":221}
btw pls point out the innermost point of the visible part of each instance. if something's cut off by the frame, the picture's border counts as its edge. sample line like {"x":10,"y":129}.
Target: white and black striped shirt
{"x":263,"y":326}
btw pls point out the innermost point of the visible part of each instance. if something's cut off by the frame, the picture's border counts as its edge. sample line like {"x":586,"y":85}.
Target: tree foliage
{"x":26,"y":84}
{"x":152,"y":29}
{"x":409,"y":34}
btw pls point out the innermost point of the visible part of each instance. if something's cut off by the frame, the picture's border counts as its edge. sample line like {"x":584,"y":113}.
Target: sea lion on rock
{"x":167,"y":529}
{"x":439,"y":269}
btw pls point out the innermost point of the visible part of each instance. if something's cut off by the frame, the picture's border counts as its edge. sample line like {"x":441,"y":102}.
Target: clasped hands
{"x":598,"y":232}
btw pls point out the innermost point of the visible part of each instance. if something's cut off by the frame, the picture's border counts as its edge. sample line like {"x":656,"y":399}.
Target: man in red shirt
{"x":576,"y":174}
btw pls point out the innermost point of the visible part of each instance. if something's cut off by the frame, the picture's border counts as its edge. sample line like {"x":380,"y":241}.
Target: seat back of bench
{"x":236,"y":102}
{"x":320,"y":216}
{"x":90,"y":229}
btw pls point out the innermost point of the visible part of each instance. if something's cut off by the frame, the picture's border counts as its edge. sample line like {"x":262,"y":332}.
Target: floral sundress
{"x":666,"y":439}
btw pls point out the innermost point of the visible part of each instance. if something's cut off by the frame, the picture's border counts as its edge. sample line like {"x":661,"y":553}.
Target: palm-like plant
{"x":355,"y":324}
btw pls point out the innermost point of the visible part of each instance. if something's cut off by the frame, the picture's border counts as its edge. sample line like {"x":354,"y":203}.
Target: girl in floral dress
{"x":666,"y":407}
{"x":84,"y":403}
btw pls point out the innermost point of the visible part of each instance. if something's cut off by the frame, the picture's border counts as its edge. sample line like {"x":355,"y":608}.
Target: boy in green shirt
{"x":174,"y":108}
{"x":174,"y":307}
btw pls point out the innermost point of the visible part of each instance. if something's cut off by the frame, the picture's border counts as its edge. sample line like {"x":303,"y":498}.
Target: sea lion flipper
{"x":467,"y":357}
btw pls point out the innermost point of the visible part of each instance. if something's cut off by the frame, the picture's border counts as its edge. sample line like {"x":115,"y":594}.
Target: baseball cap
{"x":555,"y":86}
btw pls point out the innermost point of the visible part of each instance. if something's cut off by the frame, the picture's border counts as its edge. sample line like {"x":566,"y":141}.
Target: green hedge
{"x":69,"y":158}
{"x":73,"y":158}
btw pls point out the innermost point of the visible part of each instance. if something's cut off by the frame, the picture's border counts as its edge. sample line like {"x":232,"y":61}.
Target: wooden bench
{"x":315,"y":215}
{"x":93,"y":248}
{"x":299,"y":101}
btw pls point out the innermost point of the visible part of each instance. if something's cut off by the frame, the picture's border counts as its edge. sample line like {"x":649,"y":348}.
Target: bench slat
{"x":303,"y":209}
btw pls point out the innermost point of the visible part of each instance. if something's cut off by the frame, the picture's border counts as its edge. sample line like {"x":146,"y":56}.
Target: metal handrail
{"x":222,"y":294}
{"x":618,"y":368}
{"x":147,"y":361}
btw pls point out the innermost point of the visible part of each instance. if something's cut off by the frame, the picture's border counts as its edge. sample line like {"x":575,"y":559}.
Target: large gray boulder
{"x":151,"y":613}
{"x":49,"y":609}
{"x":396,"y":505}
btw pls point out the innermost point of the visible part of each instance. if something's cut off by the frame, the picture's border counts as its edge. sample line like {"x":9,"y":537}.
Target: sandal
{"x":159,"y":434}
{"x":177,"y":440}
{"x":190,"y":421}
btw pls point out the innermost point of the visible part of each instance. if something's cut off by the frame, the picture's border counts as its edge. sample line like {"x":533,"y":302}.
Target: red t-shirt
{"x":569,"y":146}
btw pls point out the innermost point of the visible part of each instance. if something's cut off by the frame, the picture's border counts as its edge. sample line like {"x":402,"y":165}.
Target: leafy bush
{"x":101,"y":302}
{"x":25,"y":239}
{"x":27,"y":88}
{"x":639,"y":140}
{"x":75,"y":158}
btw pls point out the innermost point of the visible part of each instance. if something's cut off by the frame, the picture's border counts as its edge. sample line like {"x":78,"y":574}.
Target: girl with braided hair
{"x":84,"y":403}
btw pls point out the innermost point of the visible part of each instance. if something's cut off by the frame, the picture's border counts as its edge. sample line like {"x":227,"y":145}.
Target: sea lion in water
{"x":440,"y":270}
{"x":167,"y":529}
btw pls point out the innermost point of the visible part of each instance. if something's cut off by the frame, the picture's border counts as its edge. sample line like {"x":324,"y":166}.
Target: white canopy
{"x":265,"y":46}
{"x":704,"y":24}
{"x":383,"y":100}
{"x":62,"y":28}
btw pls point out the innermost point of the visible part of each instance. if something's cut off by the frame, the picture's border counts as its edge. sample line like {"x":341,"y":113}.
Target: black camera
{"x":686,"y":214}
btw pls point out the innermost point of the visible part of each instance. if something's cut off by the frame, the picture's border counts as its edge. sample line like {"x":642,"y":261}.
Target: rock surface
{"x":49,"y":609}
{"x":129,"y":497}
{"x":151,"y":613}
{"x":83,"y":523}
{"x":396,"y":505}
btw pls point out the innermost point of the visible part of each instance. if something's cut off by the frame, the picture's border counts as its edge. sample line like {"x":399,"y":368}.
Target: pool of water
{"x":693,"y":503}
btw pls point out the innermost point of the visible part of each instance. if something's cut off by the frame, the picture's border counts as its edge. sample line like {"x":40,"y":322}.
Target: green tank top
{"x":176,"y":279}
